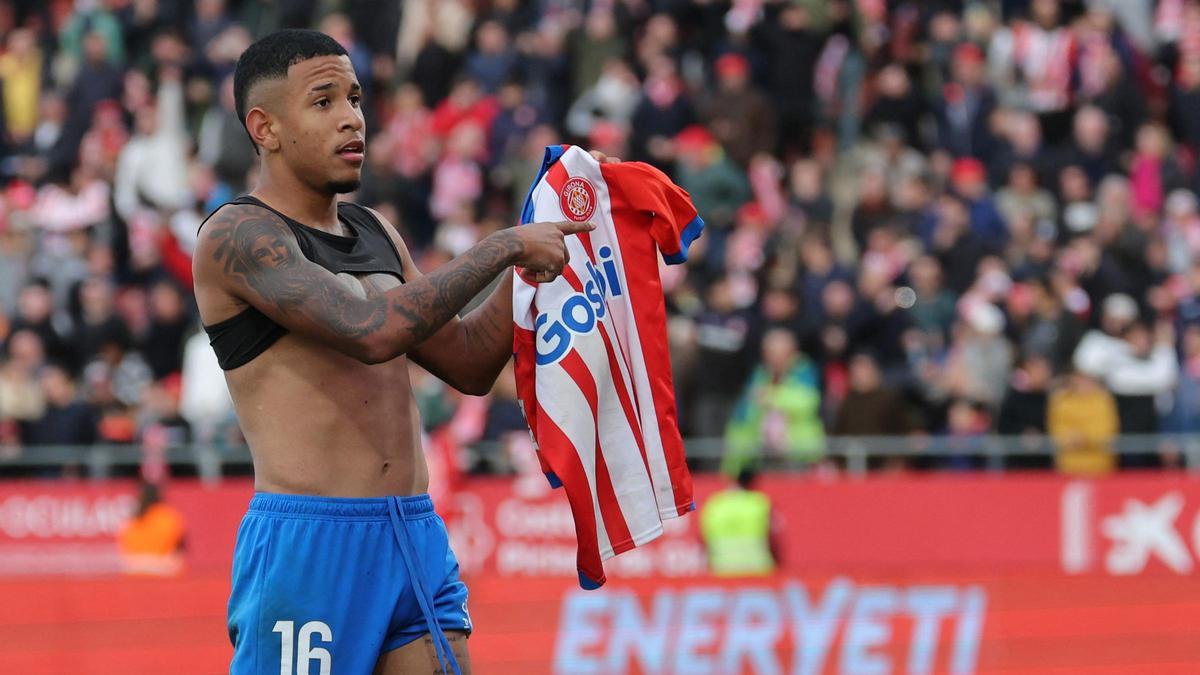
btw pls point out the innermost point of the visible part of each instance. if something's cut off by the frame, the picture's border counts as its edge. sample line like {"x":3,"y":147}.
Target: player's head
{"x":747,"y":477}
{"x":298,"y":98}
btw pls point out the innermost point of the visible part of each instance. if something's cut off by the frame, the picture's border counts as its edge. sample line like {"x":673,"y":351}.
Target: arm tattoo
{"x":439,"y":295}
{"x":257,"y":250}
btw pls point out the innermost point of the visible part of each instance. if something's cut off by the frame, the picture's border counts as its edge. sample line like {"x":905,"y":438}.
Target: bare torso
{"x":320,"y":422}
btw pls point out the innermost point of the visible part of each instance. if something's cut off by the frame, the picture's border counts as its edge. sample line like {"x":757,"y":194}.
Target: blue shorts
{"x":320,"y":580}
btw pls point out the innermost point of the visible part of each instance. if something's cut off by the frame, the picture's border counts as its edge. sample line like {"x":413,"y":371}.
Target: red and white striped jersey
{"x":592,"y":365}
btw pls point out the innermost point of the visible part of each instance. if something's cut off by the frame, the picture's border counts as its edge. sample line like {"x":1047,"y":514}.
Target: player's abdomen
{"x":320,"y":422}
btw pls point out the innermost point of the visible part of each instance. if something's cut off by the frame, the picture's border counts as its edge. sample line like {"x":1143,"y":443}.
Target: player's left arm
{"x":466,"y":353}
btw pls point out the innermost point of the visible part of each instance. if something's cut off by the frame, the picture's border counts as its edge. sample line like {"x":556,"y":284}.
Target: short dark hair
{"x":270,"y":57}
{"x":747,"y":476}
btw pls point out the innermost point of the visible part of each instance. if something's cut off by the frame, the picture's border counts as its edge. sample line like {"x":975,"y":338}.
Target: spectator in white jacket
{"x":1138,"y":367}
{"x":1098,"y":348}
{"x":152,"y":170}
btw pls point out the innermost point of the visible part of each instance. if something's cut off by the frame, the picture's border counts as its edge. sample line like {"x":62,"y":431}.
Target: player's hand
{"x":544,"y":248}
{"x":603,"y":158}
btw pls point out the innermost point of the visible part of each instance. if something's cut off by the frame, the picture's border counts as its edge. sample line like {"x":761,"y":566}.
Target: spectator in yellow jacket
{"x":1082,"y":420}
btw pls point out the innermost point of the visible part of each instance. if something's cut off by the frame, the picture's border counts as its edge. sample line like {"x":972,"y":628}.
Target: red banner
{"x":940,"y":573}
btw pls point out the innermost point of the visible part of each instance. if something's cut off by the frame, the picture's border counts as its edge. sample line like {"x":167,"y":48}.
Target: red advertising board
{"x":939,"y":573}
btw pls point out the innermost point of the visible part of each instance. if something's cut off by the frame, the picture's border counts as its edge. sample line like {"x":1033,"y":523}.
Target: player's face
{"x":324,"y":133}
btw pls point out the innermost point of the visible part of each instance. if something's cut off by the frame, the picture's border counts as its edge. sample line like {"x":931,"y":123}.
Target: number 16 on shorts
{"x":300,"y":646}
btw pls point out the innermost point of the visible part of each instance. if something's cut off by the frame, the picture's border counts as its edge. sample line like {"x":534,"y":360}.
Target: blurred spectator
{"x":35,"y":313}
{"x":169,"y":327}
{"x":1153,"y":172}
{"x":964,"y":113}
{"x":1142,"y":368}
{"x":66,"y":420}
{"x":99,"y":324}
{"x":981,"y":358}
{"x":504,"y":414}
{"x":1185,"y":104}
{"x":1090,"y":147}
{"x":612,"y":99}
{"x":21,"y":77}
{"x":222,"y":142}
{"x":1181,"y":229}
{"x":467,"y":104}
{"x":152,"y":540}
{"x":1082,"y":419}
{"x":594,"y":49}
{"x":778,"y":416}
{"x":1023,"y":410}
{"x":99,"y":79}
{"x":956,"y":246}
{"x":933,"y":306}
{"x":152,"y":169}
{"x":1022,"y":196}
{"x":793,"y":44}
{"x":807,"y":197}
{"x":493,"y":59}
{"x":874,"y":210}
{"x":21,"y":398}
{"x":159,"y":415}
{"x":870,"y":408}
{"x":739,"y":115}
{"x":968,"y":178}
{"x":204,"y":397}
{"x":738,"y":530}
{"x":897,"y":104}
{"x":661,"y":113}
{"x":1030,"y":60}
{"x":1184,"y":416}
{"x":723,"y":346}
{"x":718,"y":187}
{"x":1051,"y":331}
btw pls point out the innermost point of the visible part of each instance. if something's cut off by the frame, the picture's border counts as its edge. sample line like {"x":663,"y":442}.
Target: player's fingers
{"x":572,"y":227}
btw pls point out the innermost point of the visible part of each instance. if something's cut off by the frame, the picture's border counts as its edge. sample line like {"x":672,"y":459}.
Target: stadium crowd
{"x":923,"y":218}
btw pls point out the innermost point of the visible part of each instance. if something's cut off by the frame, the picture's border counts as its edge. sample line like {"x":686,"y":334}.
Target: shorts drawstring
{"x":441,"y":645}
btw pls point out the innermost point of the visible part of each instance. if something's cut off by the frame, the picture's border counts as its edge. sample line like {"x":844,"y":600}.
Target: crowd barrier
{"x":910,"y":573}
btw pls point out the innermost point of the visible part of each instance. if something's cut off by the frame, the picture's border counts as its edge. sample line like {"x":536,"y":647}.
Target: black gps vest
{"x":240,"y":338}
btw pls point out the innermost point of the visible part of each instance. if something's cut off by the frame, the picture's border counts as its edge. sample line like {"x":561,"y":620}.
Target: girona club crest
{"x":578,"y":199}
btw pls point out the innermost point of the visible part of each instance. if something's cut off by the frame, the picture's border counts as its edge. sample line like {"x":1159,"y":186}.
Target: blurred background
{"x":936,"y":355}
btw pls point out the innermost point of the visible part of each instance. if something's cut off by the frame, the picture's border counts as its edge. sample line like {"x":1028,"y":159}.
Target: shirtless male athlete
{"x":313,"y":307}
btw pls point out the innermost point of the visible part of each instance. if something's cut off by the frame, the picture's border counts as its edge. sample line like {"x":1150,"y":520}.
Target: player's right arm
{"x":249,"y":253}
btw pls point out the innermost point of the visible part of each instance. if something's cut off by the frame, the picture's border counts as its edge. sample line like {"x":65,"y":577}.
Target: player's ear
{"x":262,"y":129}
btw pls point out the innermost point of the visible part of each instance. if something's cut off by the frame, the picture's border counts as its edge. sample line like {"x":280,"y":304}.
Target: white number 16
{"x":304,"y":651}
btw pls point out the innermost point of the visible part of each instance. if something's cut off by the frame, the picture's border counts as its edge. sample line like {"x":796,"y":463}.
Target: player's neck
{"x":298,"y":201}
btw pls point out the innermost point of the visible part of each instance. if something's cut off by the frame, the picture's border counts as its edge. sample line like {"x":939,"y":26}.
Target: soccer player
{"x":313,"y":307}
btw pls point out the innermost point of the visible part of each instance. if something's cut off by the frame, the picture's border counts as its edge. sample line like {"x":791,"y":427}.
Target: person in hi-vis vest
{"x":739,"y":531}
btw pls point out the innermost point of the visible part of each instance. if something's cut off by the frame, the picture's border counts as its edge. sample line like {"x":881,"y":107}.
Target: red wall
{"x":897,"y":574}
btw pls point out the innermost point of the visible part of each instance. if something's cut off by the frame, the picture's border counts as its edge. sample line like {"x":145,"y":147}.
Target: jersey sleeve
{"x":674,"y":222}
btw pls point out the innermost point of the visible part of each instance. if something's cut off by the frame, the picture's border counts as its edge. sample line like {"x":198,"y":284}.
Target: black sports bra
{"x":242,"y":337}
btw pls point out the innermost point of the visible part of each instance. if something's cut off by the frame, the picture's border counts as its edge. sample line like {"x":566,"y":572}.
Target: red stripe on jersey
{"x":524,"y":367}
{"x":572,"y":278}
{"x":646,"y":296}
{"x":610,"y":508}
{"x":569,"y":469}
{"x":623,"y":395}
